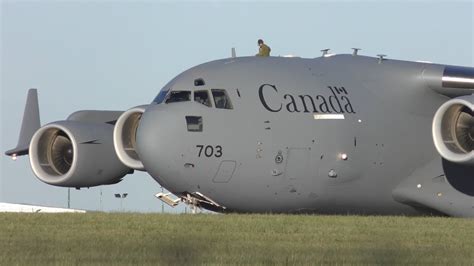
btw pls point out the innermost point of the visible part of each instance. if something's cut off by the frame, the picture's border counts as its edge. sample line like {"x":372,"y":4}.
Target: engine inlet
{"x":52,"y":153}
{"x":125,"y":137}
{"x":453,"y":130}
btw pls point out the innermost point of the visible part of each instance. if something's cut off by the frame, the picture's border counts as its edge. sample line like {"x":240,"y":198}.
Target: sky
{"x":114,"y":55}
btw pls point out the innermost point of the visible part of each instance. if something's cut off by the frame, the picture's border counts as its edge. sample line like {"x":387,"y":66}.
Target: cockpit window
{"x":179,"y":96}
{"x":221,"y":99}
{"x":202,"y":97}
{"x":161,"y":96}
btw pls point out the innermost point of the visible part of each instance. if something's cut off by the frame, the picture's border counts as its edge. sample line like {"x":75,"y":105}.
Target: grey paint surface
{"x":387,"y":138}
{"x":270,"y":154}
{"x":30,"y":123}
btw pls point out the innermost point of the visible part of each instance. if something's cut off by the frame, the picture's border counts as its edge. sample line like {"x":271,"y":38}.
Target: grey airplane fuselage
{"x":272,"y":152}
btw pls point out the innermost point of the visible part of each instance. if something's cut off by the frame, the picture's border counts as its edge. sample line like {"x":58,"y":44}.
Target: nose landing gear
{"x":196,"y":200}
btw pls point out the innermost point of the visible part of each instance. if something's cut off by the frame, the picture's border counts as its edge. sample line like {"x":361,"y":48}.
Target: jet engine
{"x":453,"y":130}
{"x":124,"y":137}
{"x":75,"y":154}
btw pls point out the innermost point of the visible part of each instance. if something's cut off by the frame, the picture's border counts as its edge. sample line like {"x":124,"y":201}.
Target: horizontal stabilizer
{"x":30,"y":124}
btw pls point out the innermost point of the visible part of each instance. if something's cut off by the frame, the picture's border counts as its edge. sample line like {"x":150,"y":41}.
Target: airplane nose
{"x":157,"y":141}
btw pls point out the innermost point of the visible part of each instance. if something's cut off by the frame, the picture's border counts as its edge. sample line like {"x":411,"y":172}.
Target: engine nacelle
{"x":453,"y":130}
{"x":125,"y":137}
{"x":75,"y":154}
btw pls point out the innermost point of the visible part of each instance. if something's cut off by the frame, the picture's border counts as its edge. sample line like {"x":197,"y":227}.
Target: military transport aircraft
{"x":335,"y":134}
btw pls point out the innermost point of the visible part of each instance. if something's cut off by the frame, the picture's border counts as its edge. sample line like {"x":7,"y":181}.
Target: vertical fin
{"x":30,"y":124}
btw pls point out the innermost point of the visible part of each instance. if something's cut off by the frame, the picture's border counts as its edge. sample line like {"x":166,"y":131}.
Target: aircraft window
{"x":161,"y":96}
{"x":199,"y":82}
{"x":179,"y":96}
{"x":202,"y":97}
{"x":221,"y":99}
{"x":194,"y":123}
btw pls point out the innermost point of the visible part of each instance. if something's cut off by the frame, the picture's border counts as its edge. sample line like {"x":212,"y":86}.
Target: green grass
{"x":100,"y":238}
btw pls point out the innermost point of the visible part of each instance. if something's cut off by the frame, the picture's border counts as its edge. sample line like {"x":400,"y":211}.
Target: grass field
{"x":101,"y":238}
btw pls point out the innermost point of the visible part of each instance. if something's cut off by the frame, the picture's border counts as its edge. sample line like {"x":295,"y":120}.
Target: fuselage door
{"x":225,"y":172}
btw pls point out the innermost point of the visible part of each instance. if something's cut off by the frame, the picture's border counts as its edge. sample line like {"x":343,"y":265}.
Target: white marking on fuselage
{"x":329,"y":116}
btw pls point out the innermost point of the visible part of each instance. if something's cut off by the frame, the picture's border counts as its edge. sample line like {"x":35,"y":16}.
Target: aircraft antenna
{"x":355,"y":51}
{"x":381,"y":58}
{"x":233,"y":52}
{"x":325,"y":51}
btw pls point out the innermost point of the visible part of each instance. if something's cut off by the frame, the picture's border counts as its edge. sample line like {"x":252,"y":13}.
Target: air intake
{"x":453,"y":130}
{"x":125,"y":137}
